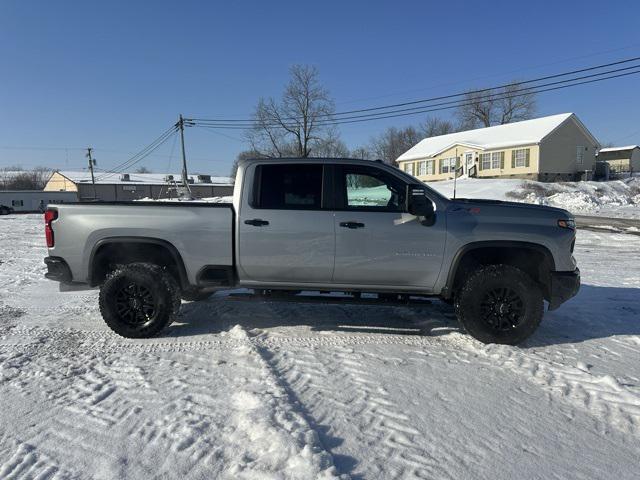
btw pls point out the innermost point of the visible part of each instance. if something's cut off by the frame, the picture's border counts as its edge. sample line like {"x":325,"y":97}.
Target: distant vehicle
{"x":5,"y":210}
{"x":324,"y":225}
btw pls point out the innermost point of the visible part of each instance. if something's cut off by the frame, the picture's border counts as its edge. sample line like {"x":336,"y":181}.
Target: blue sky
{"x":115,"y":74}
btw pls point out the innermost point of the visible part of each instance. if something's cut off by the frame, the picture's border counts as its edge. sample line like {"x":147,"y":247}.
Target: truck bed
{"x":80,"y":227}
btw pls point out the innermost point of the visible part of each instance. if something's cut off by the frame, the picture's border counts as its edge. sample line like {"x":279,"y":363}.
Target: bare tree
{"x":330,"y":146}
{"x":496,"y":106}
{"x":244,"y":155}
{"x":362,"y":153}
{"x":18,"y":179}
{"x":393,"y":142}
{"x":294,"y":125}
{"x":434,"y":126}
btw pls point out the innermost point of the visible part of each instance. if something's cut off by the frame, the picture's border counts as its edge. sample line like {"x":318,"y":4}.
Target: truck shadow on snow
{"x":596,"y":312}
{"x":220,"y":313}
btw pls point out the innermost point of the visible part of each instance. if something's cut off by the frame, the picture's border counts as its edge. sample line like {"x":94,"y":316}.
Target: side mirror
{"x":420,"y":205}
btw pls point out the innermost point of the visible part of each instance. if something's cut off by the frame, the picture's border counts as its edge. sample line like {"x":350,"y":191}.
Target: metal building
{"x":135,"y":186}
{"x":34,"y":200}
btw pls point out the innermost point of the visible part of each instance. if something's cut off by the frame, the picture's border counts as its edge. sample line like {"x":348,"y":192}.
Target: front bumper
{"x":564,"y":285}
{"x":58,"y":270}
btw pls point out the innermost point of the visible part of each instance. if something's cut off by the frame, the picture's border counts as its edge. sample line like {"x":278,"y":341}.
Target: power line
{"x":501,"y":74}
{"x":211,"y":130}
{"x":449,"y":105}
{"x":146,"y":151}
{"x":455,"y":103}
{"x":443,"y":97}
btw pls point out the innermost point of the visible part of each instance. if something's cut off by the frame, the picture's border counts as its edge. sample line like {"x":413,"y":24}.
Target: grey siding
{"x":558,"y":152}
{"x":124,"y":192}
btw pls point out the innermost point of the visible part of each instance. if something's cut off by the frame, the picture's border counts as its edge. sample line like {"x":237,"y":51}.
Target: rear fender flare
{"x":173,"y":251}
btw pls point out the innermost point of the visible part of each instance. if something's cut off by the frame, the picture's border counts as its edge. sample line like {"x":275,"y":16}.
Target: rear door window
{"x":289,"y":187}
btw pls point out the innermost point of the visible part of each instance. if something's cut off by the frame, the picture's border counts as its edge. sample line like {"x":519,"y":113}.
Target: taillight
{"x":49,"y":216}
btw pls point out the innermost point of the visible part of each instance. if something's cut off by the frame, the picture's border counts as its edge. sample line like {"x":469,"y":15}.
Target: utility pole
{"x":185,"y":179}
{"x":455,"y":174}
{"x":91,"y":164}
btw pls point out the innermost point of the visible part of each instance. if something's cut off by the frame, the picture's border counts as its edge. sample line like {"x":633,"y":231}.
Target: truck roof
{"x":310,"y":160}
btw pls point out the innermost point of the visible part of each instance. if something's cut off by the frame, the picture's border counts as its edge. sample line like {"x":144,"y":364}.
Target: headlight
{"x":569,"y":223}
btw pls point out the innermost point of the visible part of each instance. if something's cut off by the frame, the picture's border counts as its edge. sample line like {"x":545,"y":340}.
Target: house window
{"x":493,"y":160}
{"x":580,"y":154}
{"x":496,"y":159}
{"x":17,"y":203}
{"x":448,"y":165}
{"x":485,"y":161}
{"x":521,"y":157}
{"x":425,"y":167}
{"x":409,"y":168}
{"x":431,"y":167}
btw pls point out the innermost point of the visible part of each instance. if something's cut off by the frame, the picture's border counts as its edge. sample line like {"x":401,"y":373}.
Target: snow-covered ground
{"x":616,"y":198}
{"x":270,"y":389}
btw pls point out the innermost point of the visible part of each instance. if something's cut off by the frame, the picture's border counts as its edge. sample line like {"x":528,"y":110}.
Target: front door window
{"x":373,"y":191}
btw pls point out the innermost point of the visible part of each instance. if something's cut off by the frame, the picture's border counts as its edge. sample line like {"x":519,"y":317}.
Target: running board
{"x":332,"y":298}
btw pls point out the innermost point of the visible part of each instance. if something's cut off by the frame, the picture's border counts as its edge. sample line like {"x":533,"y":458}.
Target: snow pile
{"x":617,"y":196}
{"x":581,"y":196}
{"x":272,"y":437}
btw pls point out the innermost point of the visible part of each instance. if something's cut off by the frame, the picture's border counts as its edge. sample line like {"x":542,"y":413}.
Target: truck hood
{"x":479,"y":202}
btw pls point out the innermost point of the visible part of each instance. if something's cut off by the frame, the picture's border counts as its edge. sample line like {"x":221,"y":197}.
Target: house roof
{"x":526,"y":132}
{"x":103,"y":178}
{"x":617,"y":149}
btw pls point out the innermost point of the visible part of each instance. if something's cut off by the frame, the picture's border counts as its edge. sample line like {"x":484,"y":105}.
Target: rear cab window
{"x":288,"y":187}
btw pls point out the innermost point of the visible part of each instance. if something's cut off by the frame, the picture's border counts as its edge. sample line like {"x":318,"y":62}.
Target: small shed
{"x":621,"y":160}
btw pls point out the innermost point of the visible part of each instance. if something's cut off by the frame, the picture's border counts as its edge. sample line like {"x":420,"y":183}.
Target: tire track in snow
{"x":22,"y":460}
{"x":342,"y":398}
{"x":603,"y":396}
{"x":161,"y":403}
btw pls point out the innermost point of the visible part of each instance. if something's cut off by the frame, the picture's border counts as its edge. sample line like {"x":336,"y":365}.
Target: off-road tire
{"x":160,"y":289}
{"x":471,"y":304}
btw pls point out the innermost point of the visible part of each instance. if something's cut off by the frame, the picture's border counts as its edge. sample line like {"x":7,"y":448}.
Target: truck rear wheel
{"x":139,"y":300}
{"x":499,"y":304}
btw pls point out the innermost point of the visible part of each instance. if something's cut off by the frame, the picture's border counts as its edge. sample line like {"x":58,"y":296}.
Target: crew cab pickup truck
{"x":319,"y":225}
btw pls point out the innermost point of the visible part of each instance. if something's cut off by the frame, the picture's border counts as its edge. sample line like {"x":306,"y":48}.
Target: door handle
{"x":352,"y":225}
{"x":256,"y":222}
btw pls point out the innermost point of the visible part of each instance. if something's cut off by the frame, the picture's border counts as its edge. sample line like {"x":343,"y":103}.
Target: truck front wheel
{"x":139,"y":300}
{"x":499,"y":304}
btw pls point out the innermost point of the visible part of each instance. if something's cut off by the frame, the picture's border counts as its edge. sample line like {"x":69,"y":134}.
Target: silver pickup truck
{"x":319,"y":225}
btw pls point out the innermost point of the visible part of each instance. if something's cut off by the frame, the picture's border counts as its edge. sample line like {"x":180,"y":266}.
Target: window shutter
{"x":513,"y":159}
{"x":526,"y":161}
{"x":501,"y":160}
{"x":480,"y":162}
{"x":433,"y":167}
